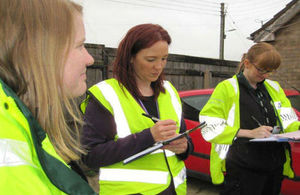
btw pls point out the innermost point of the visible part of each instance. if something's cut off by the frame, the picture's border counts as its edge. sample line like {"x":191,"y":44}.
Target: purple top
{"x":98,"y":136}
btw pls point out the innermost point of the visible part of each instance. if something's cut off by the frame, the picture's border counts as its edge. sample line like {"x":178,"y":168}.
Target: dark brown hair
{"x":137,"y":38}
{"x":262,"y":54}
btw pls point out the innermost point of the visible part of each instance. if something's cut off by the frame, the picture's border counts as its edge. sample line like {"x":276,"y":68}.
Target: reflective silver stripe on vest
{"x":215,"y":126}
{"x":120,"y":118}
{"x":168,"y":152}
{"x":175,"y":102}
{"x":133,"y":175}
{"x":273,"y":84}
{"x":233,"y":82}
{"x":14,"y":153}
{"x":288,"y":116}
{"x":222,"y":150}
{"x":180,"y":178}
{"x":231,"y":116}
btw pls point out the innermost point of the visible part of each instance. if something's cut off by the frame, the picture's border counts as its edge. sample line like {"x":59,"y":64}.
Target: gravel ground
{"x":199,"y":187}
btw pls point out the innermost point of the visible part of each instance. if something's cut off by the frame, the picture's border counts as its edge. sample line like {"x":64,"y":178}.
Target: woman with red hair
{"x":116,"y":129}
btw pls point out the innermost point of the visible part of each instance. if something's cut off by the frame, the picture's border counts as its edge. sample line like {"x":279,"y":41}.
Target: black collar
{"x":243,"y":81}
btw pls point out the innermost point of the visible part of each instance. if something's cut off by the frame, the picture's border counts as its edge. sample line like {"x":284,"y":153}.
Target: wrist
{"x":245,"y":133}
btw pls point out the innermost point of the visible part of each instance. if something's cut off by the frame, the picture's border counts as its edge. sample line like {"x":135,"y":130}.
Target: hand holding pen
{"x":162,"y":129}
{"x":262,"y":131}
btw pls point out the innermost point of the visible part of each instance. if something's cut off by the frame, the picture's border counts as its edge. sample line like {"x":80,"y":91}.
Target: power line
{"x":239,"y":32}
{"x":202,"y":2}
{"x":257,"y":3}
{"x":181,"y":5}
{"x":193,"y":3}
{"x":244,"y":10}
{"x":207,"y":1}
{"x":162,"y":7}
{"x":257,"y":11}
{"x":256,"y":14}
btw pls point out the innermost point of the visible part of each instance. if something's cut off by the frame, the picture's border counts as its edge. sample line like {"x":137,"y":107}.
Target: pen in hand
{"x":151,"y":117}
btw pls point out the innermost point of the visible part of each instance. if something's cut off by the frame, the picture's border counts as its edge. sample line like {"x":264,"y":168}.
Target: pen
{"x":151,"y":117}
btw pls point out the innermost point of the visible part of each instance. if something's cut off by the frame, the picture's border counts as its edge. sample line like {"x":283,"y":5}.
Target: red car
{"x":198,"y":162}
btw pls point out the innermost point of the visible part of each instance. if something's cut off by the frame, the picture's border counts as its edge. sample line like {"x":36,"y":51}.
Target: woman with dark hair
{"x":244,"y":107}
{"x":116,"y":129}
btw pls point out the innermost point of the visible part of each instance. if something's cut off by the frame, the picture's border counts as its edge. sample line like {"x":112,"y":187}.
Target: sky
{"x":194,"y":25}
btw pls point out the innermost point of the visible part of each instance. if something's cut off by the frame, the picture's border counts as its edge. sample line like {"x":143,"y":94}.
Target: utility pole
{"x":222,"y":32}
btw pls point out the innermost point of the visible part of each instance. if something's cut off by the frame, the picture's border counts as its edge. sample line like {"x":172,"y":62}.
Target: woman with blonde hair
{"x":43,"y":65}
{"x":244,"y":107}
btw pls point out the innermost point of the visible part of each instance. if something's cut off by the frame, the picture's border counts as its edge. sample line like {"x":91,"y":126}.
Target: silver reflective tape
{"x":168,"y":152}
{"x":231,"y":116}
{"x":174,"y":100}
{"x":233,"y":82}
{"x":222,"y":150}
{"x":287,"y":116}
{"x":120,"y":118}
{"x":273,"y":84}
{"x":133,"y":175}
{"x":14,"y":153}
{"x":215,"y":126}
{"x":180,"y":178}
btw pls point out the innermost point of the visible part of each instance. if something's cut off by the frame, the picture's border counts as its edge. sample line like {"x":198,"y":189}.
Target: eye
{"x":81,"y":46}
{"x":150,"y":59}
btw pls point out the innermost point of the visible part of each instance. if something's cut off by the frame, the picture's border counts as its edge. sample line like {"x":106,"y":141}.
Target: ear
{"x":131,"y":60}
{"x":246,"y":63}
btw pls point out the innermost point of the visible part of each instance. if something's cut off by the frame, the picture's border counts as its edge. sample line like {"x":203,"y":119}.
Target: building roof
{"x":266,"y":32}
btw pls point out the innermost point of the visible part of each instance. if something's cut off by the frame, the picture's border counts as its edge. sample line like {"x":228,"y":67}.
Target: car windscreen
{"x":192,"y":105}
{"x":295,"y":101}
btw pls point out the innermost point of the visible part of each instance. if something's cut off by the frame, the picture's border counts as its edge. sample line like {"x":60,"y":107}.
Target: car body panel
{"x":198,"y":162}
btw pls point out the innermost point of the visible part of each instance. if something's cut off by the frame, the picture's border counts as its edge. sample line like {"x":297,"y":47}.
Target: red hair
{"x":137,"y":38}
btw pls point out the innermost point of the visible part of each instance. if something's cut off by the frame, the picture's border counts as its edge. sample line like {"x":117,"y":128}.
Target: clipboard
{"x":160,"y":144}
{"x":284,"y":137}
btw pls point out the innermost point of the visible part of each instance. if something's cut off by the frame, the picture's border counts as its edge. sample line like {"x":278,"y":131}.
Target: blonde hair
{"x":262,"y":54}
{"x":35,"y":38}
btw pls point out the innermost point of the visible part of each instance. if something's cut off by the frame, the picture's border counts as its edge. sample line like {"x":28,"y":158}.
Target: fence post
{"x":207,"y":79}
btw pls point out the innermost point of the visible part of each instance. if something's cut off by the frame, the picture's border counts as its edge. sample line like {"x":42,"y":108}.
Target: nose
{"x":89,"y":59}
{"x":160,"y":64}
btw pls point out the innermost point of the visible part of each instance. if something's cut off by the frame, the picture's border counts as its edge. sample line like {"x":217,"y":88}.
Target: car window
{"x":192,"y":105}
{"x":295,"y":101}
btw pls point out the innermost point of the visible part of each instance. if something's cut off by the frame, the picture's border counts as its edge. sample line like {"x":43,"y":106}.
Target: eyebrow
{"x":156,"y":56}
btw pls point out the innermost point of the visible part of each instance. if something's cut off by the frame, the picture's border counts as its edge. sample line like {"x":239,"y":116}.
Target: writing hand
{"x":262,"y":132}
{"x":163,"y":129}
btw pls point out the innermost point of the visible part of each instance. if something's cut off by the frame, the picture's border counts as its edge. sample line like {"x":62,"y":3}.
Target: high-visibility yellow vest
{"x":20,"y":168}
{"x":149,"y":174}
{"x":222,"y":116}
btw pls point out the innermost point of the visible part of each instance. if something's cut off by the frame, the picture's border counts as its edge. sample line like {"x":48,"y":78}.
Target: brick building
{"x":283,"y":31}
